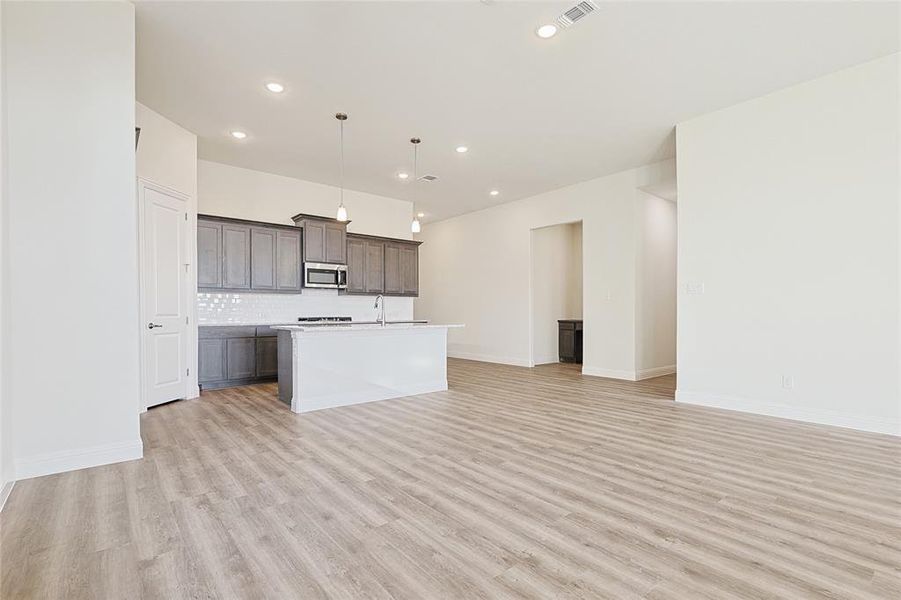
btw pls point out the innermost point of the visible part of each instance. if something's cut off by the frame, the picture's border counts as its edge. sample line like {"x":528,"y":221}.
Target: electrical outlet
{"x":788,"y":382}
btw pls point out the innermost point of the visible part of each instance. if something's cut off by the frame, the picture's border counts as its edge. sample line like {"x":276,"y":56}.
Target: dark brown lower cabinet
{"x":569,"y":340}
{"x":230,"y":356}
{"x":267,"y":356}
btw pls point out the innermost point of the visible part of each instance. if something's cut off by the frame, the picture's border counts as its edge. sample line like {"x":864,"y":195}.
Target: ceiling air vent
{"x":577,"y":12}
{"x":428,"y":178}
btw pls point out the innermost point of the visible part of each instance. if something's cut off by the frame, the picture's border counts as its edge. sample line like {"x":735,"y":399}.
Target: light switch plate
{"x":694,"y":287}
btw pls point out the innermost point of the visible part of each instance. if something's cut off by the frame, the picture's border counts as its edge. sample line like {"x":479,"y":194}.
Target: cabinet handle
{"x":152,"y":325}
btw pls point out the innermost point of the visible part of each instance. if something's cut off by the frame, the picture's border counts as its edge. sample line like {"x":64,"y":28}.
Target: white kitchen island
{"x":324,"y":366}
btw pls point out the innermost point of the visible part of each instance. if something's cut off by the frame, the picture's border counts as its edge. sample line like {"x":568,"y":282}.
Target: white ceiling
{"x":600,"y":97}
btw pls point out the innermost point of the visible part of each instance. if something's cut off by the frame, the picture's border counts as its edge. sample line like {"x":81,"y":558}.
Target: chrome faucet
{"x":380,"y":299}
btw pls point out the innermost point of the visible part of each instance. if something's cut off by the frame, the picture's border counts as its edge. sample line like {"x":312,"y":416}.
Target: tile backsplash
{"x":266,"y":309}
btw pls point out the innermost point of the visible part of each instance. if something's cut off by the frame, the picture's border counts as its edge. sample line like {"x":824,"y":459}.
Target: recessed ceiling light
{"x":546,"y":31}
{"x":462,"y":149}
{"x":494,"y":192}
{"x":402,"y":175}
{"x":239,"y":135}
{"x":275,"y":87}
{"x":420,"y":215}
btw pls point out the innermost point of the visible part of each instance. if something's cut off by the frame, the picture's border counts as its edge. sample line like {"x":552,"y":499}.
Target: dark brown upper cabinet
{"x":324,"y":239}
{"x":288,"y":265}
{"x":237,"y":255}
{"x":209,"y":254}
{"x":377,"y":265}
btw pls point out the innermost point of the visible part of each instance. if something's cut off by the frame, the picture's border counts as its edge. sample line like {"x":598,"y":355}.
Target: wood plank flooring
{"x":515,"y":483}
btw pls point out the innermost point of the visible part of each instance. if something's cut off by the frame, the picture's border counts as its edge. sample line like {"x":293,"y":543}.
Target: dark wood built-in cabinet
{"x":569,"y":340}
{"x":235,"y":255}
{"x":377,"y":265}
{"x":230,"y":356}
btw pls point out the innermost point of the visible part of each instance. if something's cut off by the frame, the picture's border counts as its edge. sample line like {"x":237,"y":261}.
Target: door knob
{"x":152,"y":325}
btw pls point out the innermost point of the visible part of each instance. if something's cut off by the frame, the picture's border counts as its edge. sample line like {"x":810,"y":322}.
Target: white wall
{"x":167,"y":156}
{"x":556,"y":254}
{"x":72,"y":281}
{"x":475,"y":269}
{"x":656,"y":296}
{"x":788,"y":216}
{"x":229,"y":191}
{"x":167,"y":152}
{"x":6,"y":466}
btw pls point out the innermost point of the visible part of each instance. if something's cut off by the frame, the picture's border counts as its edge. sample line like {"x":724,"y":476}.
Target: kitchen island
{"x":337,"y":365}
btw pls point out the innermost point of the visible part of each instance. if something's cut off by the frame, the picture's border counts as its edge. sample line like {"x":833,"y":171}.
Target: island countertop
{"x":361,"y":327}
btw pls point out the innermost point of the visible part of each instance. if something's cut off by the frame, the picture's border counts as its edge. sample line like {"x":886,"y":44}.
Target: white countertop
{"x":243,"y":324}
{"x":352,"y":327}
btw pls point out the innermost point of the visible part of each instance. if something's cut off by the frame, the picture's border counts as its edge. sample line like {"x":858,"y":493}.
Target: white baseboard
{"x":72,"y":460}
{"x":656,"y":372}
{"x":490,"y":358}
{"x":546,"y":360}
{"x":795,"y":413}
{"x":5,"y":491}
{"x":609,"y":373}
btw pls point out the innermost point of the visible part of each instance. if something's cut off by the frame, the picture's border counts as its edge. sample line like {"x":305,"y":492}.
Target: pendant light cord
{"x":415,"y":164}
{"x":341,"y":145}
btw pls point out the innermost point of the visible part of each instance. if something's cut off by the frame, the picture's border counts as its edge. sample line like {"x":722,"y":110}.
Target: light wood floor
{"x":516,"y":483}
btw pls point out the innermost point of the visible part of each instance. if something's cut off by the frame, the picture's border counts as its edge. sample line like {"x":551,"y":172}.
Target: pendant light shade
{"x":415,"y":226}
{"x":342,"y":212}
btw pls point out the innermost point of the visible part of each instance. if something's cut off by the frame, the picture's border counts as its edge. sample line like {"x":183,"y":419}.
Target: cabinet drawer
{"x":225,"y":331}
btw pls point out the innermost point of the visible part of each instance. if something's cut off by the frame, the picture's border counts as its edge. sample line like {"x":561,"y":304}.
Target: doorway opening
{"x":556,"y":294}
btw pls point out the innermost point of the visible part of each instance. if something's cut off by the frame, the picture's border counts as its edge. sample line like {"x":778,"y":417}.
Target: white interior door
{"x":165,"y":327}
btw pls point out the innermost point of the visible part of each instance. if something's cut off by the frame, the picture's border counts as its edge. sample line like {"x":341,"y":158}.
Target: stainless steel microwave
{"x":324,"y":275}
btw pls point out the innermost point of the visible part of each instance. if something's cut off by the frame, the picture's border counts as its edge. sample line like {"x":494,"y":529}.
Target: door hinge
{"x":186,"y":320}
{"x":188,"y":371}
{"x":186,"y":216}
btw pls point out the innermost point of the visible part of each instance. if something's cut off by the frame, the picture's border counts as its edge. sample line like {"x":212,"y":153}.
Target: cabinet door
{"x":409,"y":269}
{"x":313,"y":241}
{"x":335,"y":243}
{"x":356,"y":265}
{"x":375,"y":267}
{"x":240,"y":358}
{"x":267,"y":357}
{"x":209,"y":254}
{"x":236,"y":257}
{"x":211,"y":360}
{"x":262,"y":259}
{"x":393,"y":281}
{"x":566,"y":344}
{"x":287,"y":273}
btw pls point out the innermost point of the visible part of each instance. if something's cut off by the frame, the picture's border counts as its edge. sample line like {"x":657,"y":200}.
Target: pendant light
{"x":342,"y":212}
{"x":415,"y":226}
